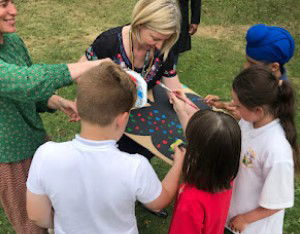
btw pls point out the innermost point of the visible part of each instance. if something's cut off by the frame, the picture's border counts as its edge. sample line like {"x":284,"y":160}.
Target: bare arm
{"x":77,"y":69}
{"x":172,"y":83}
{"x":82,"y":59}
{"x":241,"y":221}
{"x":66,"y":106}
{"x":170,"y":183}
{"x":183,"y":110}
{"x":39,"y":209}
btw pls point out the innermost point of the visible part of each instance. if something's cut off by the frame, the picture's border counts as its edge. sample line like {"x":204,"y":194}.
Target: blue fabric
{"x":284,"y":74}
{"x":269,"y":44}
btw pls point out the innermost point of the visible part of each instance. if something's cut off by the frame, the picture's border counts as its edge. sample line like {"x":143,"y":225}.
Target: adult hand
{"x":238,"y":223}
{"x":69,"y":108}
{"x":77,"y":69}
{"x":193,"y":29}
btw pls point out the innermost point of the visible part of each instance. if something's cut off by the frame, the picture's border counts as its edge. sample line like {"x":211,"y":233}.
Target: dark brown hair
{"x":258,"y":87}
{"x":213,"y":151}
{"x":104,"y":92}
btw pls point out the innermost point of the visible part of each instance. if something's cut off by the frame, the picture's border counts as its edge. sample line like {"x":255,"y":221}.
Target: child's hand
{"x":238,"y":224}
{"x":181,"y":104}
{"x":179,"y":154}
{"x":178,"y":104}
{"x":213,"y":100}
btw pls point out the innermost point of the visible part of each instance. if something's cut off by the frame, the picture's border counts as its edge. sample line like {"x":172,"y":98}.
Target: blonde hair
{"x":162,"y":16}
{"x":104,"y":92}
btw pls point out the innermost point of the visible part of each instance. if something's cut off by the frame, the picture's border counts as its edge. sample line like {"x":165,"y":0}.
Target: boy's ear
{"x":122,"y":119}
{"x":275,"y":67}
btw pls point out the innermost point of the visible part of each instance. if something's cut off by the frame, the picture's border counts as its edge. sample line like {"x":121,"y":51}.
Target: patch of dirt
{"x":222,"y":32}
{"x":235,"y":34}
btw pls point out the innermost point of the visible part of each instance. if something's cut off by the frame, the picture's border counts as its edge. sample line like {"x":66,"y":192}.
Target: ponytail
{"x":286,"y":113}
{"x":257,"y":86}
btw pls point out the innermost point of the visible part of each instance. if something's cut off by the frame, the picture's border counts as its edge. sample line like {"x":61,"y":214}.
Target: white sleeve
{"x":147,"y":185}
{"x":33,"y":183}
{"x":278,"y":189}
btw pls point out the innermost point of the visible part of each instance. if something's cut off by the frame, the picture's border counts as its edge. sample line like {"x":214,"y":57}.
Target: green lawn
{"x":58,"y":31}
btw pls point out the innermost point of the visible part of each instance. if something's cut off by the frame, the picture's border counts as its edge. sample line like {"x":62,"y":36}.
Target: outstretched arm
{"x":170,"y":183}
{"x":39,"y":81}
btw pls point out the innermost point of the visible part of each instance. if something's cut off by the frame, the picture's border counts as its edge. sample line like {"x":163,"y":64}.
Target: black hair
{"x":213,"y":151}
{"x":257,"y":86}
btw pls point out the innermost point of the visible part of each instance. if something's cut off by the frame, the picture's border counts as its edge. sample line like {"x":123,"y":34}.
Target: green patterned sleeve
{"x":34,"y":83}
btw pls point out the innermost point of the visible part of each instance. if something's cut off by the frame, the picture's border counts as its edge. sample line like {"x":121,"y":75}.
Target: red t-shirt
{"x":197,"y":211}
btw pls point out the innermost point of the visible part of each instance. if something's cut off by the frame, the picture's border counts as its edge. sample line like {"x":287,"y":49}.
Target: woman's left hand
{"x":69,"y":108}
{"x":66,"y":106}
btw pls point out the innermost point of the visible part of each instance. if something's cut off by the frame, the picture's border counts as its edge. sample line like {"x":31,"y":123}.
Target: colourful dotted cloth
{"x":24,"y":91}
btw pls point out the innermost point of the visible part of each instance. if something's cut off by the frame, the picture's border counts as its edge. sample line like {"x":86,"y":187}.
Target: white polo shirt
{"x":92,"y":185}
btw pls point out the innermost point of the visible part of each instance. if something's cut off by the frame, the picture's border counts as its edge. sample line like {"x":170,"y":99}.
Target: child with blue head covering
{"x":269,"y":45}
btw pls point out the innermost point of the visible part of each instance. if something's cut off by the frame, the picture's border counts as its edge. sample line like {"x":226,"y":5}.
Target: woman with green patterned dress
{"x":26,"y":89}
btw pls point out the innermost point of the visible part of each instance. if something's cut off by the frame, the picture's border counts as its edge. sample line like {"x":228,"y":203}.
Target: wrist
{"x":60,"y":102}
{"x":244,"y":219}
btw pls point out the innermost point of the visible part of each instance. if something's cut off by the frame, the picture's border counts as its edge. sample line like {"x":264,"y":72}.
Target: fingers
{"x":180,"y":94}
{"x":179,"y":153}
{"x":179,"y":150}
{"x":193,"y":29}
{"x":210,"y":99}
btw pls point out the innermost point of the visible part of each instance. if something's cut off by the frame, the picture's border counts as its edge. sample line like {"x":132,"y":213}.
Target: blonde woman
{"x":143,"y":46}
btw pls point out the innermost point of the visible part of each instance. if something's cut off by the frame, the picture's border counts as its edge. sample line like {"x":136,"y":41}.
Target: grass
{"x":58,"y":31}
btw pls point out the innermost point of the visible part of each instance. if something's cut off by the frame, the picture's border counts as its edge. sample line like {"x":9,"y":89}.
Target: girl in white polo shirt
{"x":264,"y":186}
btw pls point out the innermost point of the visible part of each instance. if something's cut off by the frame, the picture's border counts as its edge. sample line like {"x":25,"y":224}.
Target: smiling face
{"x":150,"y":39}
{"x":8,"y":14}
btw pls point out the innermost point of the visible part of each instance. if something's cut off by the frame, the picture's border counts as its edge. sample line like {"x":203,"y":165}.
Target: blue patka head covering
{"x":269,"y":44}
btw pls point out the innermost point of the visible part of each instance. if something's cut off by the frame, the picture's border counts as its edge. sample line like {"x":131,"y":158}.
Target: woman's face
{"x":150,"y":39}
{"x":8,"y":14}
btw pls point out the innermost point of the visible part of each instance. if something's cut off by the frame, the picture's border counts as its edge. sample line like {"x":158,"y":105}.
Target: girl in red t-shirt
{"x":211,"y":163}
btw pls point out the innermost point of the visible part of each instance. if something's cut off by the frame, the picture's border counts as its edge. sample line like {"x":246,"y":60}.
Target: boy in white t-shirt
{"x":87,"y":185}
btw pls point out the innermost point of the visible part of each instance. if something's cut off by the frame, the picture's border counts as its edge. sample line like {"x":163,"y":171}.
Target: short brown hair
{"x":103,"y":92}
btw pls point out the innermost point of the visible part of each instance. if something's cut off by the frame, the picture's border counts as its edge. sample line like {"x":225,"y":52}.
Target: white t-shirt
{"x":92,"y":185}
{"x":265,"y":177}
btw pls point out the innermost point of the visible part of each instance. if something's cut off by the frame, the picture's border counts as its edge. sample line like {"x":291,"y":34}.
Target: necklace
{"x":145,"y":71}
